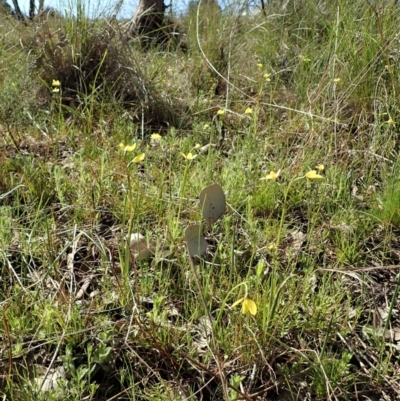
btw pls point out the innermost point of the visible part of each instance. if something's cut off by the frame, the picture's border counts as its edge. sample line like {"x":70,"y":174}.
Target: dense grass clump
{"x":294,"y":113}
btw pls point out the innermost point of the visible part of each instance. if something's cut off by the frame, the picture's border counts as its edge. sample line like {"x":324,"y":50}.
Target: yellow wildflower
{"x":312,"y":175}
{"x":138,"y":158}
{"x":337,"y":80}
{"x":249,"y":110}
{"x":130,"y":148}
{"x":56,"y":90}
{"x":127,"y":148}
{"x":189,"y":156}
{"x":272,"y":247}
{"x":248,"y":305}
{"x":260,"y":66}
{"x":220,"y":112}
{"x":320,"y":167}
{"x":55,"y":82}
{"x":304,"y":59}
{"x":271,"y":176}
{"x":267,"y":77}
{"x":390,"y":121}
{"x":197,"y":146}
{"x":155,"y":136}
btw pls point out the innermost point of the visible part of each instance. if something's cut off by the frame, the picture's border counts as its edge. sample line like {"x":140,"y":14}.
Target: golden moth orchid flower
{"x":304,"y":59}
{"x":189,"y":156}
{"x":272,"y":176}
{"x":127,"y":148}
{"x":138,"y":158}
{"x":272,"y":247}
{"x":313,"y":175}
{"x":248,"y":305}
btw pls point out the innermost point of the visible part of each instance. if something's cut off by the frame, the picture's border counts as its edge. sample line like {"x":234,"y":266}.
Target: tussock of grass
{"x":306,"y":86}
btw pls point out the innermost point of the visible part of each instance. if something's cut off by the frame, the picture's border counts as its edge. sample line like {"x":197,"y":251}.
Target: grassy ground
{"x":255,"y":103}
